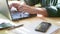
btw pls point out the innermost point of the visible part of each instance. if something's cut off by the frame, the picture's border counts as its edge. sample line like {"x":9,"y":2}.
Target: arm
{"x":33,"y":10}
{"x":46,"y":11}
{"x":29,"y":9}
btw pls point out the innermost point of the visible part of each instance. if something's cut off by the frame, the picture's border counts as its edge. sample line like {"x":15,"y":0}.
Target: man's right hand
{"x":16,"y":5}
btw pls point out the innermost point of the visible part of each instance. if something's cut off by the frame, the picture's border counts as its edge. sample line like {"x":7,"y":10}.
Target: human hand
{"x":18,"y":6}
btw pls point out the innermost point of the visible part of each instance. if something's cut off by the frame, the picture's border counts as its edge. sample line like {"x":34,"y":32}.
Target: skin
{"x":29,"y":9}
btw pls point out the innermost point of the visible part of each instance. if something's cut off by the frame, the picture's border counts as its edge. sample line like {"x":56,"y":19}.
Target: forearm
{"x":35,"y":10}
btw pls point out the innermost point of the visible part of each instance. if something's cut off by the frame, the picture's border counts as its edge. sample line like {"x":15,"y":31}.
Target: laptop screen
{"x":4,"y":9}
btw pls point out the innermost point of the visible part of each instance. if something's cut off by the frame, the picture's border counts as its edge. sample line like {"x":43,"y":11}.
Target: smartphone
{"x":43,"y":27}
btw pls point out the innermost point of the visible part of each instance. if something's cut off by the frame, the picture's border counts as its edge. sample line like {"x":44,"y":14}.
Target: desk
{"x":30,"y":22}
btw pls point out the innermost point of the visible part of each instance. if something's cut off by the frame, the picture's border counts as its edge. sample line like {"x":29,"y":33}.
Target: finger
{"x":15,"y":4}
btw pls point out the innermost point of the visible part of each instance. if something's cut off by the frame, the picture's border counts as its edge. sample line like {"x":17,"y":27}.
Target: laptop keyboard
{"x":18,"y":15}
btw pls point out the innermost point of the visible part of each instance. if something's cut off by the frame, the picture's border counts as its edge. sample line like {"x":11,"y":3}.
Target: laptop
{"x":4,"y":9}
{"x":13,"y":15}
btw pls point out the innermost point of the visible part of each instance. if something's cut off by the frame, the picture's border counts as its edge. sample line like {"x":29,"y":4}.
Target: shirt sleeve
{"x":31,"y":2}
{"x":52,"y":11}
{"x":54,"y":8}
{"x":58,"y":7}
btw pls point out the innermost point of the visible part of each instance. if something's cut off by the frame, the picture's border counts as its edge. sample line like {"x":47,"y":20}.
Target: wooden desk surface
{"x":32,"y":20}
{"x":53,"y":20}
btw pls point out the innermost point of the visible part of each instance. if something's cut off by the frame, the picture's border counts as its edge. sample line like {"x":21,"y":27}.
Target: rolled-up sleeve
{"x":51,"y":10}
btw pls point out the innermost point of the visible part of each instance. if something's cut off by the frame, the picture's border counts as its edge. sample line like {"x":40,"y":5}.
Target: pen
{"x":12,"y":27}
